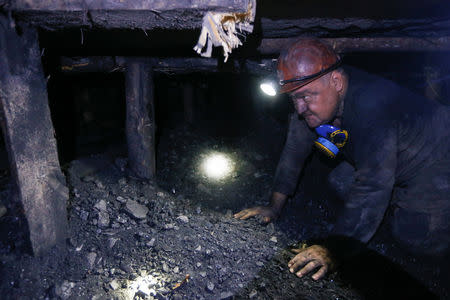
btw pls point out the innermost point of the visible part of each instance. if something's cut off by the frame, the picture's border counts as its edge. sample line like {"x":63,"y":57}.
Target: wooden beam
{"x":165,"y":65}
{"x":360,"y":27}
{"x":343,"y":45}
{"x":140,"y":120}
{"x":29,"y":138}
{"x":108,"y":14}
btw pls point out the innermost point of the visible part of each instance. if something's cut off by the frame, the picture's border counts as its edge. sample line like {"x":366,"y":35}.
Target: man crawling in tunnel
{"x":395,"y":147}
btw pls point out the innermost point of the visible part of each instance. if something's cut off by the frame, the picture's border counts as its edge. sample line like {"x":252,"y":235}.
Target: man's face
{"x":317,"y":101}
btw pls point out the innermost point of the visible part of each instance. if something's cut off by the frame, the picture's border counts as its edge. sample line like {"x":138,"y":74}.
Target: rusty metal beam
{"x":343,"y":45}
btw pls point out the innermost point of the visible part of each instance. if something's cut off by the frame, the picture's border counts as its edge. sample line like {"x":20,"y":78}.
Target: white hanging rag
{"x":221,"y":29}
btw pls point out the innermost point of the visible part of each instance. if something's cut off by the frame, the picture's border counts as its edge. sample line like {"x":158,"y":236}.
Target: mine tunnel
{"x":136,"y":140}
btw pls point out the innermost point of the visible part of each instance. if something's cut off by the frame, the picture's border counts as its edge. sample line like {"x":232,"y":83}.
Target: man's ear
{"x":337,"y":80}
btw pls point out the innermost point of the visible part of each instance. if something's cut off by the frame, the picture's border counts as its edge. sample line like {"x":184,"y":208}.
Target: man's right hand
{"x":268,"y":213}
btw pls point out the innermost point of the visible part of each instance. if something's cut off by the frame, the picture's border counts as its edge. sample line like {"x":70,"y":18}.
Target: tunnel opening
{"x":88,"y":114}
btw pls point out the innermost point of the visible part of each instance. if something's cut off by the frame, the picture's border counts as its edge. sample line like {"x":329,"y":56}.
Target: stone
{"x":3,"y":210}
{"x":253,"y":294}
{"x":84,"y":215}
{"x":151,"y":243}
{"x":121,"y":199}
{"x":176,"y":269}
{"x":122,"y":219}
{"x":203,"y":274}
{"x":64,"y":290}
{"x":100,"y":205}
{"x":210,"y":286}
{"x":88,"y":178}
{"x":257,"y":174}
{"x":126,"y":267}
{"x":111,"y":242}
{"x":259,"y":263}
{"x":136,"y":210}
{"x":183,"y":219}
{"x":114,"y":285}
{"x":103,"y":219}
{"x":274,"y":239}
{"x":226,"y":295}
{"x":165,"y":268}
{"x":169,"y":226}
{"x":99,"y":184}
{"x":91,"y":259}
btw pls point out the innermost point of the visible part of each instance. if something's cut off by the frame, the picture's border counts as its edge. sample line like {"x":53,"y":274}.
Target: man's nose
{"x":300,"y":106}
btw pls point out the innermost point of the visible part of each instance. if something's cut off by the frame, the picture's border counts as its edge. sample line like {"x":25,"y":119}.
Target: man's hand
{"x":268,"y":213}
{"x":311,"y":258}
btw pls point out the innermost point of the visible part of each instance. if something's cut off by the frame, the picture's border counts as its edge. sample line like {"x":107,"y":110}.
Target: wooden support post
{"x":188,"y":100}
{"x":29,"y":136}
{"x":140,"y":120}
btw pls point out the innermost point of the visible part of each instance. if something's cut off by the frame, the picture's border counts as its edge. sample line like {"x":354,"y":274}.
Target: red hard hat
{"x":304,"y":61}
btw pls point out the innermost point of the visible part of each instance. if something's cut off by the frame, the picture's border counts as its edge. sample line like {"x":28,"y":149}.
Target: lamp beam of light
{"x":268,"y":88}
{"x":217,"y":166}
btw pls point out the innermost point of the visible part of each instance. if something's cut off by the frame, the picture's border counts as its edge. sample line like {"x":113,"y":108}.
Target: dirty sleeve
{"x":298,"y":146}
{"x":370,"y":194}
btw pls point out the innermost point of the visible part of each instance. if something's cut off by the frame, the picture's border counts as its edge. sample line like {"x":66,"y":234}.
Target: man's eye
{"x":306,"y":99}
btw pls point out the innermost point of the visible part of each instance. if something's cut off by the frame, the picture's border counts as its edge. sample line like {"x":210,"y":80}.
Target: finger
{"x":297,"y":261}
{"x":297,"y":250}
{"x":248,"y":214}
{"x":266,"y":219}
{"x":239,"y":214}
{"x":308,"y":268}
{"x":244,"y":216}
{"x":319,"y":274}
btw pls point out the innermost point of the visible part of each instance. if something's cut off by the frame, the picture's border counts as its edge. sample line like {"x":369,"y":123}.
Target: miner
{"x":395,"y":150}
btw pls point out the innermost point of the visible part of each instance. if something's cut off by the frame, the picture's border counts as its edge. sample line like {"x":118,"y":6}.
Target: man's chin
{"x":313,"y":123}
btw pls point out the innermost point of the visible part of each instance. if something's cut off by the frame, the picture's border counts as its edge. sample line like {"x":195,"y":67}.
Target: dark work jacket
{"x":394,"y":135}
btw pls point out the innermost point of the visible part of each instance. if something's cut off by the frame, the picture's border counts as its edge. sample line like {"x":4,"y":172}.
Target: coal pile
{"x":175,"y":237}
{"x":131,"y":239}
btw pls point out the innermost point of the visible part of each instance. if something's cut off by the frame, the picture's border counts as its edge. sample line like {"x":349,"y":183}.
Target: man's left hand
{"x":311,"y":258}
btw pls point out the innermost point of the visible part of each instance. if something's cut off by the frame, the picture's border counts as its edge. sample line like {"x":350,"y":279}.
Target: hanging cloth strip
{"x":222,"y":29}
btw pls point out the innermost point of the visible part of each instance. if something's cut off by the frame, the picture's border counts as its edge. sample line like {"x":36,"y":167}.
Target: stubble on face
{"x":316,"y":102}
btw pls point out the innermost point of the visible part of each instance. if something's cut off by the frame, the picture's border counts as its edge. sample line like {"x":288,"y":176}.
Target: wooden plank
{"x":109,"y":14}
{"x":159,"y":5}
{"x":29,"y":137}
{"x":140,"y":120}
{"x":174,"y":65}
{"x":359,"y":27}
{"x":343,"y":45}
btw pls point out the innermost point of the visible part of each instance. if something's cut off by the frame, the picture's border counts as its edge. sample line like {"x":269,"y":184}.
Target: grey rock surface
{"x":136,"y":210}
